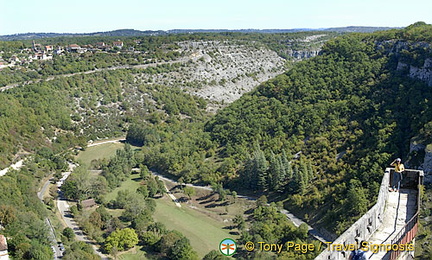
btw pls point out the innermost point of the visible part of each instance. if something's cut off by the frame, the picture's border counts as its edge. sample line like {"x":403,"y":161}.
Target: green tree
{"x":189,"y":191}
{"x":152,"y":187}
{"x":144,"y":171}
{"x":121,"y":239}
{"x":143,"y":191}
{"x":215,"y":255}
{"x":275,"y":172}
{"x":240,"y":222}
{"x":7,"y":214}
{"x":168,"y":240}
{"x":69,"y":234}
{"x":357,"y":202}
{"x":40,"y":251}
{"x":182,"y":250}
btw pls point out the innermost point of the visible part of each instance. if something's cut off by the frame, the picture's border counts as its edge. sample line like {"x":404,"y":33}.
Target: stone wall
{"x":364,"y":227}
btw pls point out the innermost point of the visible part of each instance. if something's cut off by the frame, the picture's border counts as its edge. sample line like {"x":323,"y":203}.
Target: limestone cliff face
{"x":423,"y":73}
{"x":303,"y":54}
{"x":421,"y":158}
{"x":413,"y":57}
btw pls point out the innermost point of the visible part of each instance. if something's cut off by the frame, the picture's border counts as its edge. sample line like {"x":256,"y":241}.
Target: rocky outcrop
{"x":412,"y":57}
{"x":303,"y":54}
{"x":420,"y":157}
{"x":423,"y":73}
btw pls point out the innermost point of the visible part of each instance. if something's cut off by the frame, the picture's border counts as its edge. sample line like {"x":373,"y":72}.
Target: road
{"x":117,"y":140}
{"x":63,"y":207}
{"x":57,"y":252}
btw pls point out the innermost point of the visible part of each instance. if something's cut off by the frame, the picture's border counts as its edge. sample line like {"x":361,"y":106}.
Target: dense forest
{"x":315,"y":139}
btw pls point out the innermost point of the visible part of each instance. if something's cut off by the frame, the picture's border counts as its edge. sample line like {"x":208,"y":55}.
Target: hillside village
{"x":39,"y":52}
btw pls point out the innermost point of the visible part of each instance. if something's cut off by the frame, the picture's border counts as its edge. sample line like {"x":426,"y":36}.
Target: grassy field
{"x":133,"y":254}
{"x":103,"y":151}
{"x":130,"y":184}
{"x":204,"y":233}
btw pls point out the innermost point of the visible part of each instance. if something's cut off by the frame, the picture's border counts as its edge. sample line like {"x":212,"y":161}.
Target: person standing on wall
{"x":397,"y":174}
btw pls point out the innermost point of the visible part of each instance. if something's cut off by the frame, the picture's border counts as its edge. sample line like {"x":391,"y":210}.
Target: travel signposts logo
{"x":227,"y":247}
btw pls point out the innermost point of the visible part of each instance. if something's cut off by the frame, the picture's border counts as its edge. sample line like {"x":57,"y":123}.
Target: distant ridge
{"x":115,"y":33}
{"x":360,"y":29}
{"x":132,"y":32}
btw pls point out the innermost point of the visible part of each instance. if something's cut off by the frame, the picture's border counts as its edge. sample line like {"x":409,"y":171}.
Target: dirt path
{"x":14,"y":166}
{"x":116,"y":140}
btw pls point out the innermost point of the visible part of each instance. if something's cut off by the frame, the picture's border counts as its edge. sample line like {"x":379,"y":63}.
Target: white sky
{"x":22,"y":16}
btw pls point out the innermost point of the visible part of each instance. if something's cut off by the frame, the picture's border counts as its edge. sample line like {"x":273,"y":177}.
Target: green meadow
{"x":204,"y":232}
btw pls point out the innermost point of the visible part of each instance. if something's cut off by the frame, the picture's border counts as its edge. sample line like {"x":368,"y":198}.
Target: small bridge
{"x":389,"y":227}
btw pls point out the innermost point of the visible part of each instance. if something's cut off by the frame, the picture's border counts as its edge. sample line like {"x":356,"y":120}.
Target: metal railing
{"x":409,"y":231}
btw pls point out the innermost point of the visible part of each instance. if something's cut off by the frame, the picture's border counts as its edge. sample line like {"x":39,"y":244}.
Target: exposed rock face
{"x":427,"y":164}
{"x":228,"y":70}
{"x":421,"y":157}
{"x":415,"y":59}
{"x":303,"y":54}
{"x":423,"y":73}
{"x":221,"y":71}
{"x":405,"y":53}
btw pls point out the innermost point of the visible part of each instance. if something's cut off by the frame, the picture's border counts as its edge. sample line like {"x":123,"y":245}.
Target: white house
{"x":118,"y":44}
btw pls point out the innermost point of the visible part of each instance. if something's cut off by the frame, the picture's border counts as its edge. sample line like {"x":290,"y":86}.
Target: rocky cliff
{"x":414,"y":59}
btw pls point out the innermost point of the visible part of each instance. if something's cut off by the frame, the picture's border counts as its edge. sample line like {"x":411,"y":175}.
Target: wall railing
{"x":363,"y":228}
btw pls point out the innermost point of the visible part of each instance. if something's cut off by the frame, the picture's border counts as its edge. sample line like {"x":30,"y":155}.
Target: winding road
{"x":63,"y":207}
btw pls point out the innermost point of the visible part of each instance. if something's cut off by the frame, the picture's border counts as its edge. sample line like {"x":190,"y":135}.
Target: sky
{"x":84,"y":16}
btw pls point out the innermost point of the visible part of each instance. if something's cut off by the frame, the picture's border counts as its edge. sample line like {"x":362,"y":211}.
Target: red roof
{"x":88,"y":203}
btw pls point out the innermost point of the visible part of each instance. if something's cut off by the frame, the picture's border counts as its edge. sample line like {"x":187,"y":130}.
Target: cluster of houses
{"x":50,"y":49}
{"x":99,"y":46}
{"x":40,"y":52}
